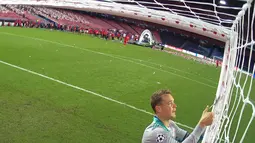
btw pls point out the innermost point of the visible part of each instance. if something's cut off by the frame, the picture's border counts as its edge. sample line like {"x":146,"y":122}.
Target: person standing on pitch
{"x":164,"y":130}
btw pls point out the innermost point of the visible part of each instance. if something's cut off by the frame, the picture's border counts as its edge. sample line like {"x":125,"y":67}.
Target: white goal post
{"x":234,"y":88}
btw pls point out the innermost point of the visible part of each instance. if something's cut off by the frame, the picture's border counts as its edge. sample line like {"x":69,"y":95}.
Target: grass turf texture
{"x":35,"y":109}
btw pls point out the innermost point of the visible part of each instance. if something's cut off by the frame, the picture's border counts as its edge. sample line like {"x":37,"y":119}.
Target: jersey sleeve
{"x":181,"y":134}
{"x":160,"y":136}
{"x":184,"y":136}
{"x":195,"y":135}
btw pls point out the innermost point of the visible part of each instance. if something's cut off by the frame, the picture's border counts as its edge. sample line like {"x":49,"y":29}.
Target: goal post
{"x":233,"y":95}
{"x":221,"y":102}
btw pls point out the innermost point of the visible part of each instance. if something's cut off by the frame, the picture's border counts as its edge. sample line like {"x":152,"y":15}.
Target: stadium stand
{"x":77,"y":20}
{"x":6,"y":13}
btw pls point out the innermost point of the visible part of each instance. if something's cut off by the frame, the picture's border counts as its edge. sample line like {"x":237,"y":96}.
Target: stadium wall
{"x":6,"y":23}
{"x":212,"y":61}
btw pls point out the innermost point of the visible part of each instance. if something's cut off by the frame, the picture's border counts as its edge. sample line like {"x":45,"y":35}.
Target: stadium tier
{"x":85,"y":20}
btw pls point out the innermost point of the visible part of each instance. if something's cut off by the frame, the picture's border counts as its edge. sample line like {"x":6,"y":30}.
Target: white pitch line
{"x":172,"y":68}
{"x":84,"y":90}
{"x":110,"y":55}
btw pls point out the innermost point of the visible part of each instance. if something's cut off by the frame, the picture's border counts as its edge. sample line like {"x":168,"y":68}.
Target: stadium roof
{"x":211,"y":11}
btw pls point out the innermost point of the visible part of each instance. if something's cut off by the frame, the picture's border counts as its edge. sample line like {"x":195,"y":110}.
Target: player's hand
{"x":207,"y":118}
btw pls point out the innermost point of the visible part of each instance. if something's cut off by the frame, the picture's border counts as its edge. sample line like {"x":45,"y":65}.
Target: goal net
{"x":234,"y":105}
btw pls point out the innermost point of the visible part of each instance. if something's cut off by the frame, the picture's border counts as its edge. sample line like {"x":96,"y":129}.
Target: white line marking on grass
{"x":109,"y":55}
{"x":169,"y":67}
{"x":164,"y":71}
{"x":84,"y":90}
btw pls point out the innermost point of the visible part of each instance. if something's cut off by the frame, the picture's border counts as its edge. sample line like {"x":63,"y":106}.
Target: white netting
{"x":210,"y":12}
{"x":233,"y":106}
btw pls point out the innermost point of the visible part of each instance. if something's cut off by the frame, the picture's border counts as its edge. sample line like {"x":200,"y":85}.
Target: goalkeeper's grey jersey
{"x":157,"y":132}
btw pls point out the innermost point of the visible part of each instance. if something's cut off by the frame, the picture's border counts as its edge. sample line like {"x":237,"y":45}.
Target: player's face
{"x":168,"y":107}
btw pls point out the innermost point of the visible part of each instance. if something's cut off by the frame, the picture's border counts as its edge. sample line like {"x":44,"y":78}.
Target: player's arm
{"x":181,"y":134}
{"x":159,"y":136}
{"x":197,"y":135}
{"x":184,"y":136}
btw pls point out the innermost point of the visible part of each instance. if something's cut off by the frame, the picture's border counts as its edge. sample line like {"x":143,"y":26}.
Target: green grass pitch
{"x":37,"y":109}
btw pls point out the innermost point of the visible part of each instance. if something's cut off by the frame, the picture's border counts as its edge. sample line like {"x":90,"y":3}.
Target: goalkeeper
{"x":164,"y":130}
